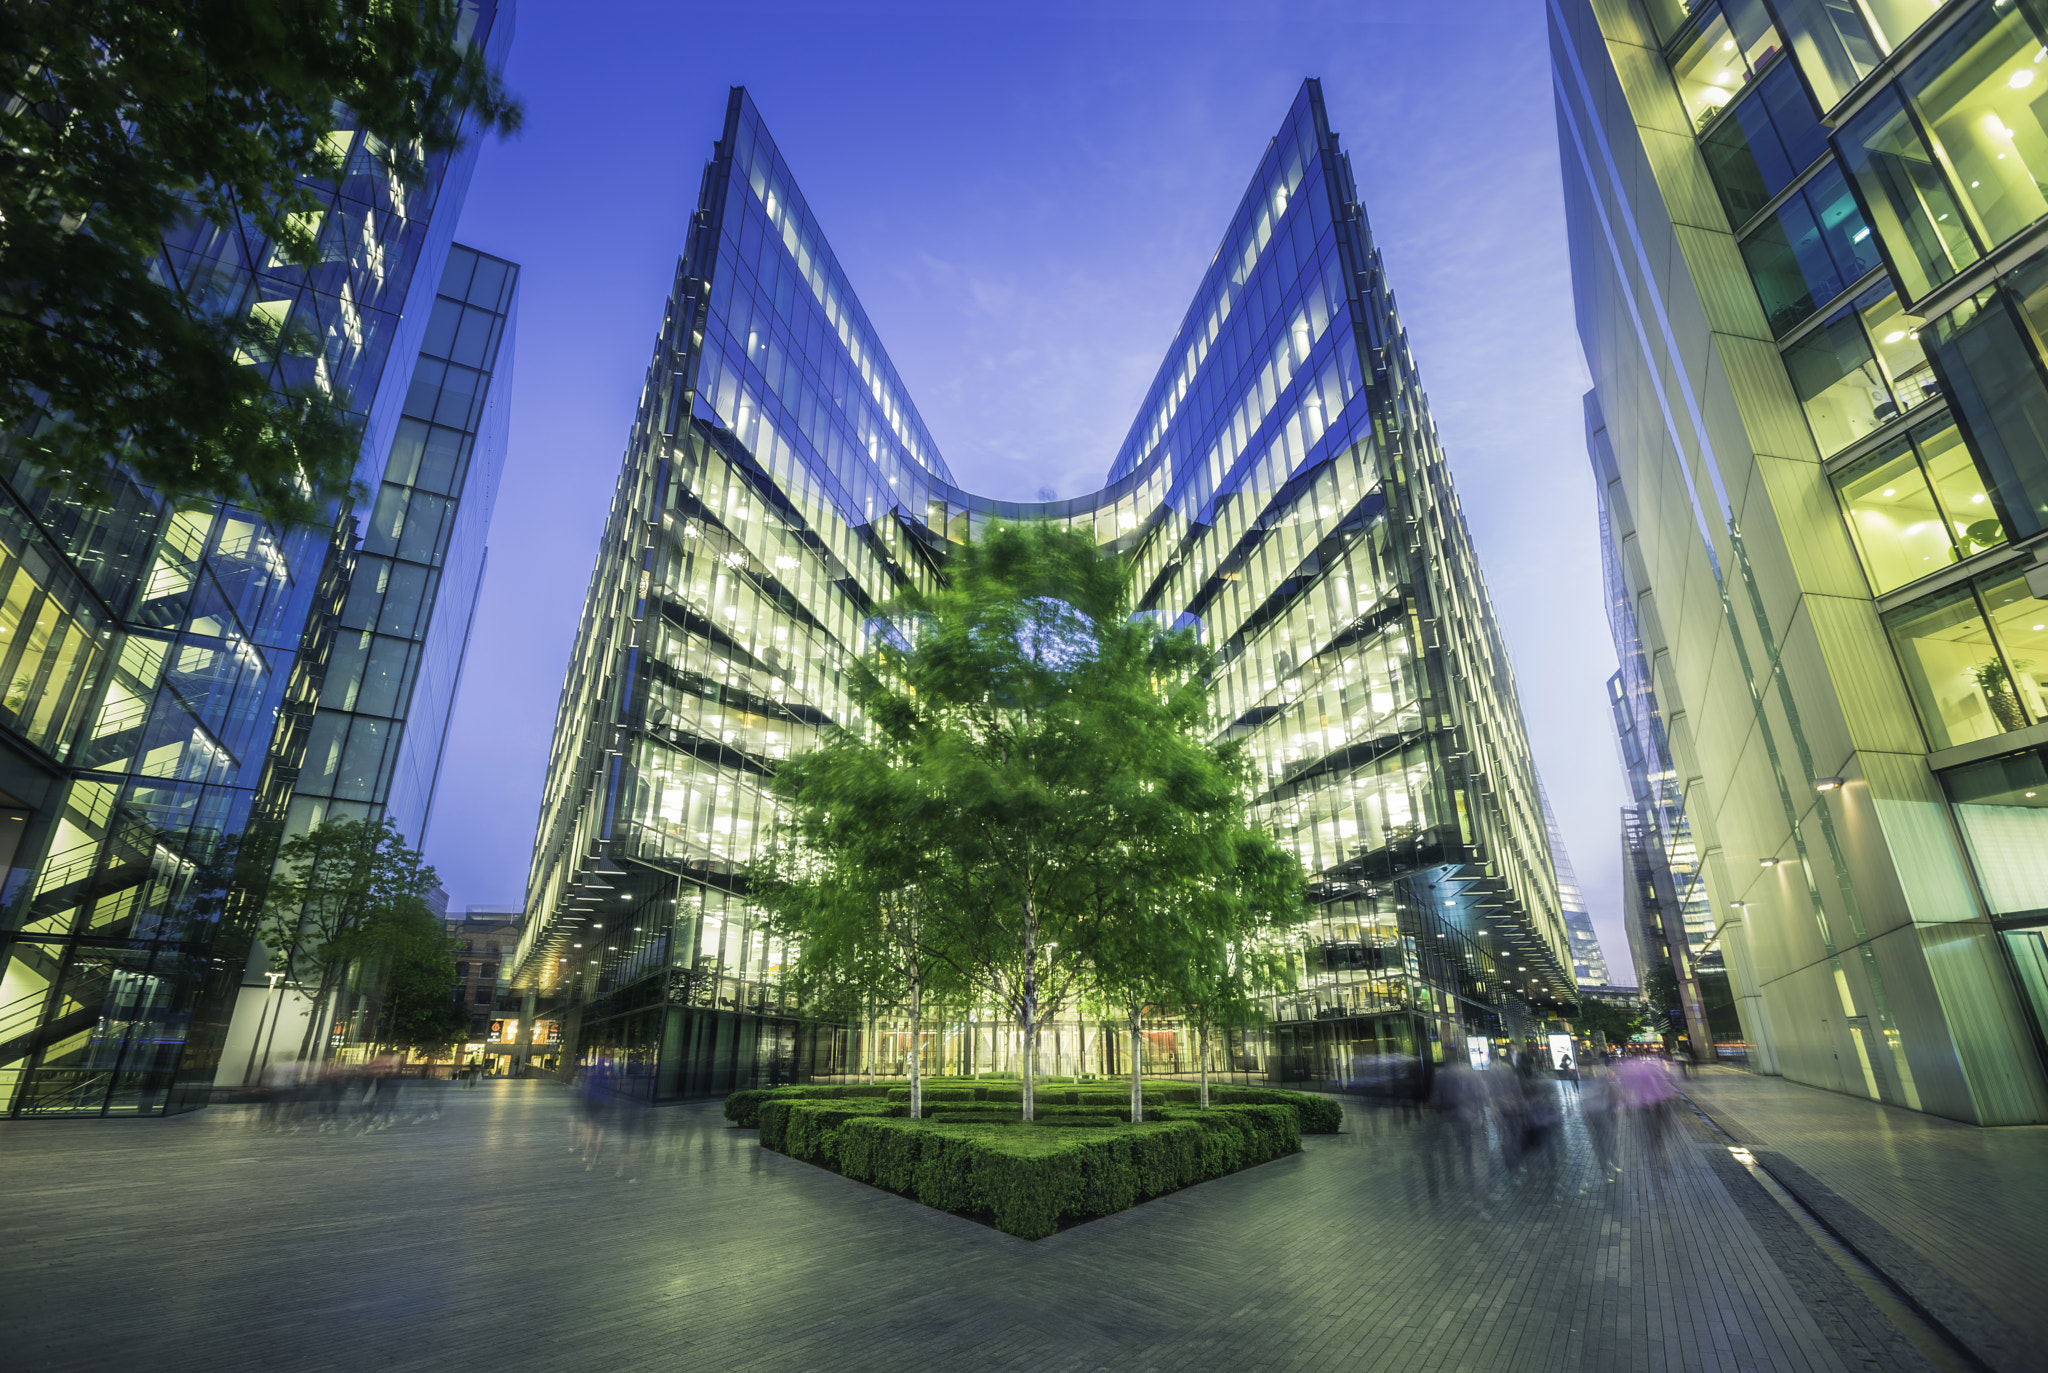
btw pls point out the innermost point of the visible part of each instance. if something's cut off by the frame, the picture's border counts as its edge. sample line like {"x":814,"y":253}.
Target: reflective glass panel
{"x":1952,"y":668}
{"x":1759,"y":150}
{"x":1972,"y":520}
{"x":1839,"y":383}
{"x":1977,"y":91}
{"x":1897,"y":19}
{"x":2002,"y":806}
{"x":1994,"y":383}
{"x":1895,"y":337}
{"x":1908,"y":196}
{"x":2020,"y":624}
{"x":1832,"y":42}
{"x":1812,"y":249}
{"x":1720,"y":57}
{"x":1897,"y":526}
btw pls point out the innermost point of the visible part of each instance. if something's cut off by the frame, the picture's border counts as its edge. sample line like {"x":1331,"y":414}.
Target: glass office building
{"x":1281,"y":490}
{"x":1807,"y":254}
{"x":185,"y":684}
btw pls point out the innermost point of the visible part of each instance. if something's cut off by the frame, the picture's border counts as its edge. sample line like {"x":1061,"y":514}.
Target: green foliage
{"x":419,"y":1008}
{"x":1319,"y":1115}
{"x":1028,"y":1178}
{"x":809,"y":1130}
{"x":121,"y":119}
{"x":743,"y":1108}
{"x":1035,"y":804}
{"x":1603,"y":1017}
{"x":348,"y":892}
{"x":1660,"y":992}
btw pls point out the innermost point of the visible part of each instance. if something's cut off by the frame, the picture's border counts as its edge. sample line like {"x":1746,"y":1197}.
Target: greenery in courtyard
{"x":1032,"y":812}
{"x":973,"y":1153}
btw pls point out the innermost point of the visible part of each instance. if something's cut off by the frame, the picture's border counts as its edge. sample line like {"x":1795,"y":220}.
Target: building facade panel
{"x":1884,"y":240}
{"x":160,"y":720}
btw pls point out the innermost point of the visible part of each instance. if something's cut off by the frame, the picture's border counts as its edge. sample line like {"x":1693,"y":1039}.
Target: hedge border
{"x":1028,"y":1179}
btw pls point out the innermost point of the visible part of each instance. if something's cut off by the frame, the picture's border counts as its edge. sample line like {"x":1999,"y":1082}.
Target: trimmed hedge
{"x":902,"y":1094}
{"x":1027,"y":1179}
{"x":809,"y":1130}
{"x":1320,"y":1115}
{"x":743,"y":1108}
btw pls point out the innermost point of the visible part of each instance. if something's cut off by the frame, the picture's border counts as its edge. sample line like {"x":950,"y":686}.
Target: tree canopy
{"x":349,"y":892}
{"x":1033,"y":773}
{"x":120,"y":119}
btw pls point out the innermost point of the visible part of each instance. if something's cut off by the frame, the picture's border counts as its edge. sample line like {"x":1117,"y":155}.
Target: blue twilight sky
{"x":1025,"y":200}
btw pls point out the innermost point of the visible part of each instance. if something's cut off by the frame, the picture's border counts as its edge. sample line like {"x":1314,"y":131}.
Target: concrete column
{"x":526,"y":1031}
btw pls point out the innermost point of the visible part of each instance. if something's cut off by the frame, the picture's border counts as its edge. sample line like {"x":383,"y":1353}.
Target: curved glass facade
{"x":1281,"y":490}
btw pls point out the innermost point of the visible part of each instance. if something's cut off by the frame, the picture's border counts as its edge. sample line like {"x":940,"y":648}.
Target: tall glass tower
{"x":186,"y":684}
{"x":1808,"y":252}
{"x":1281,"y":490}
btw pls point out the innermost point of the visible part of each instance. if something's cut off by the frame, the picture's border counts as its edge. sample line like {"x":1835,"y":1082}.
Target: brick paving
{"x":1955,"y":1215}
{"x":478,"y":1239}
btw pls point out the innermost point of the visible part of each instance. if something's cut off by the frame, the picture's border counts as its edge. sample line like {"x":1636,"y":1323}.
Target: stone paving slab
{"x":478,"y":1238}
{"x":1955,"y":1215}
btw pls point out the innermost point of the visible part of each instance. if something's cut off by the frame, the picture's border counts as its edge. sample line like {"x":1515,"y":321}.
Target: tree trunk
{"x":1137,"y":1083}
{"x":868,"y":1049}
{"x":916,"y":1044}
{"x":1081,"y":1051}
{"x":315,"y":1017}
{"x":1202,"y":1041}
{"x":1027,"y":1075}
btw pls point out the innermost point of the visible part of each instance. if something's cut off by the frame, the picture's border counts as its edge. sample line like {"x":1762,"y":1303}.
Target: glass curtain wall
{"x":778,"y":484}
{"x":160,"y":758}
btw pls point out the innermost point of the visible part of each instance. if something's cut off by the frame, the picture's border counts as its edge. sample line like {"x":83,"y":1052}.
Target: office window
{"x":1976,"y":91}
{"x":1720,"y":54}
{"x":1761,"y":148}
{"x":1811,"y":250}
{"x":1839,"y":383}
{"x":1973,"y":660}
{"x":1990,"y":367}
{"x":1893,"y":517}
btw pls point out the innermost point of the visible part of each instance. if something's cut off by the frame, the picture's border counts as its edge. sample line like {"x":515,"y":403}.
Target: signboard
{"x":1476,"y":1050}
{"x":1562,"y":1054}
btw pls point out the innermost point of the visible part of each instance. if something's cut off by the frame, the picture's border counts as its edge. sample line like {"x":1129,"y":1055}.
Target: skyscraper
{"x":1281,"y":491}
{"x":1589,"y":962}
{"x":1807,"y":261}
{"x":177,"y":675}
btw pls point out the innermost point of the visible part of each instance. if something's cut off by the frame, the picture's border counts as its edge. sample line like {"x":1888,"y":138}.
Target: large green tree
{"x":1054,"y":798}
{"x":413,"y":960}
{"x":121,"y":119}
{"x":346,"y":897}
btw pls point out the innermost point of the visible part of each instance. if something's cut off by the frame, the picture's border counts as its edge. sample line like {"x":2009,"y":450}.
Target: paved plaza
{"x":471,"y":1235}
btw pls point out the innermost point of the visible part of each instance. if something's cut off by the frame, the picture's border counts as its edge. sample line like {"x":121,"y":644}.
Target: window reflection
{"x":1992,"y":369}
{"x":1771,"y":138}
{"x":1952,"y":668}
{"x":1815,"y":247}
{"x":1959,"y":486}
{"x":1721,"y":56}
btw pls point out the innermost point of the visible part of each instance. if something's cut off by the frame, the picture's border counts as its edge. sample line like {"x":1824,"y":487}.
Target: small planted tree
{"x":850,"y":886}
{"x":341,"y":889}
